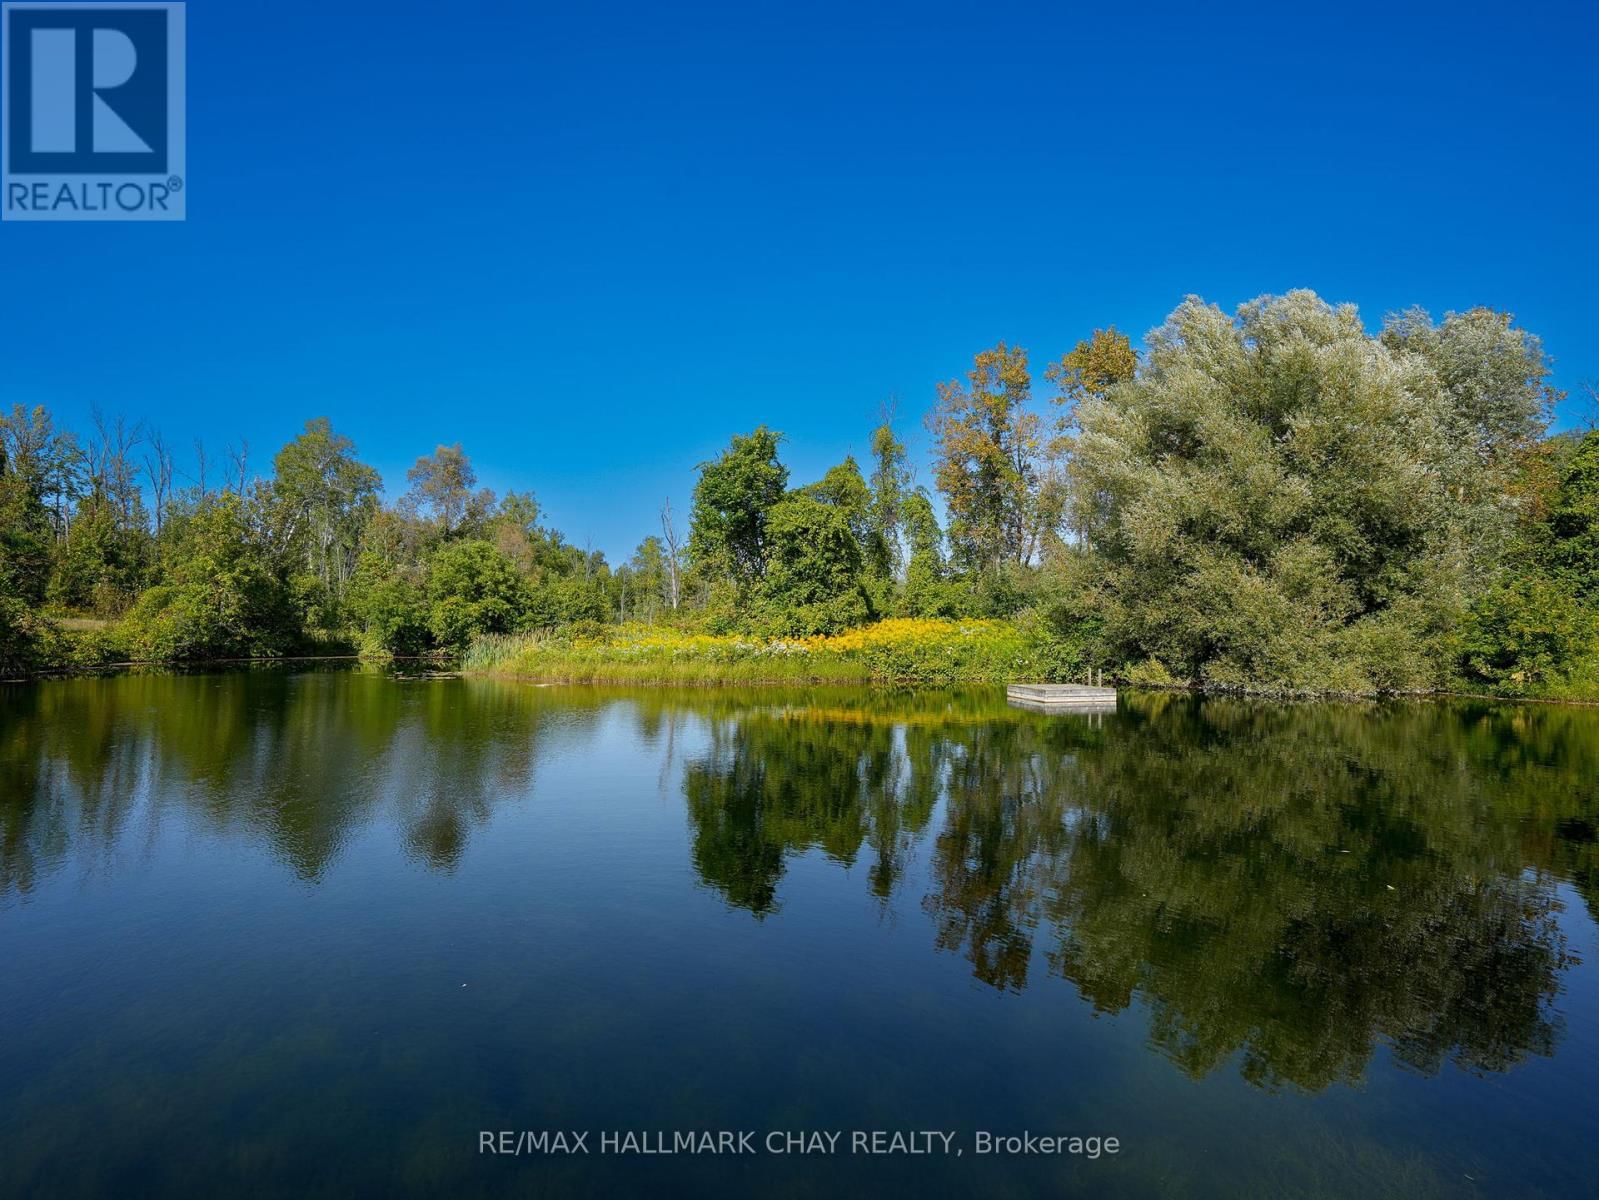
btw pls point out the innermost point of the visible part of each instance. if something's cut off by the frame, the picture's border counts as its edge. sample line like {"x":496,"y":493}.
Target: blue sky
{"x":589,"y":242}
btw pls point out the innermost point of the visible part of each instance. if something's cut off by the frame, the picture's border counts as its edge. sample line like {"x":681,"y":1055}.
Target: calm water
{"x":309,"y":934}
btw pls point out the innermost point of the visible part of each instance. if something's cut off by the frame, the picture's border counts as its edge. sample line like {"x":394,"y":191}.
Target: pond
{"x":333,"y":933}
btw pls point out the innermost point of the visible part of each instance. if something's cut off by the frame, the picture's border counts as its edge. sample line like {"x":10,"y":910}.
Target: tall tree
{"x":222,"y":596}
{"x":114,"y":472}
{"x":1092,"y":368}
{"x":515,"y":530}
{"x":47,"y":461}
{"x":1086,"y":373}
{"x":441,"y":486}
{"x":104,"y":556}
{"x":648,"y":577}
{"x":1574,"y":520}
{"x":473,"y":589}
{"x":844,"y":488}
{"x":27,"y":444}
{"x":238,"y":472}
{"x":1493,"y":377}
{"x":158,"y":468}
{"x":1280,"y":498}
{"x":674,"y":555}
{"x":987,"y":443}
{"x":891,"y":483}
{"x":324,"y":497}
{"x":813,"y":581}
{"x":732,"y":502}
{"x":926,"y":593}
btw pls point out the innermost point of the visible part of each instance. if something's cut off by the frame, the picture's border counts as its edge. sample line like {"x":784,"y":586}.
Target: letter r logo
{"x":87,"y":89}
{"x":55,"y":92}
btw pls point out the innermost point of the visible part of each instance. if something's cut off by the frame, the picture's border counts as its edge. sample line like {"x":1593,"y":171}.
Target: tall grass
{"x":897,"y":651}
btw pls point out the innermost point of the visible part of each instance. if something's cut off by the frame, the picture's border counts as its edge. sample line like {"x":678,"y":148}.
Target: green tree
{"x":891,"y":484}
{"x":1573,"y":521}
{"x":515,"y":530}
{"x":1087,"y":372}
{"x":98,"y":567}
{"x":1493,"y":377}
{"x":220,"y":596}
{"x":928,"y":591}
{"x":25,"y":536}
{"x":812,"y":583}
{"x":474,"y":589}
{"x":25,"y":532}
{"x":732,"y":502}
{"x":20,"y":637}
{"x":1537,"y":626}
{"x":987,"y":445}
{"x":1276,"y":499}
{"x":442,"y":486}
{"x":390,"y":607}
{"x":844,"y":488}
{"x":648,"y":582}
{"x":577,"y":597}
{"x":1526,"y":631}
{"x":103,"y":549}
{"x":323,"y":499}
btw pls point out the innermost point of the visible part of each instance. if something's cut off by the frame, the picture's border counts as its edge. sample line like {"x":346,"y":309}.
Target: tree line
{"x":1275,"y":497}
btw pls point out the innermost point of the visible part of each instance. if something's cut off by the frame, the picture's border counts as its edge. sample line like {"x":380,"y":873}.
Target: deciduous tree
{"x":987,"y":443}
{"x":732,"y":502}
{"x":1277,"y":498}
{"x":323,"y":498}
{"x":442,"y":486}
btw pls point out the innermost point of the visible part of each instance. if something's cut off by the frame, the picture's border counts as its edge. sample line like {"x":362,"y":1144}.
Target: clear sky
{"x":589,"y":242}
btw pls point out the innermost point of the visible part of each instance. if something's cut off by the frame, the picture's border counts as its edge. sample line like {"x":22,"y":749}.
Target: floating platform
{"x":1062,"y":697}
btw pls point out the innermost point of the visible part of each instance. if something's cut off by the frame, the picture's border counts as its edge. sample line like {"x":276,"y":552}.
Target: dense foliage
{"x":1277,"y":499}
{"x":898,"y":650}
{"x":1283,"y":499}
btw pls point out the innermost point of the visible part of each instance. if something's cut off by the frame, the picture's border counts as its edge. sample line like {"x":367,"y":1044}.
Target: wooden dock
{"x":1061,"y":697}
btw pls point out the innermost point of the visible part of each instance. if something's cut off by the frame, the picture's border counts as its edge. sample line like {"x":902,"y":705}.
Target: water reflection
{"x":778,"y":780}
{"x":1290,"y":887}
{"x":297,"y":761}
{"x":1298,"y":884}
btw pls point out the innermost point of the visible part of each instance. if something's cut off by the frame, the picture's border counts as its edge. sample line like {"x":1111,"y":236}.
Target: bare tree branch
{"x":669,"y":536}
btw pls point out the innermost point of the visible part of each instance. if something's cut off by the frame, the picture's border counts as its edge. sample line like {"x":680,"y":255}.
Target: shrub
{"x":575,"y":598}
{"x":394,"y":619}
{"x":94,"y":648}
{"x":1524,"y":634}
{"x":474,"y":589}
{"x":20,"y":637}
{"x":222,"y":599}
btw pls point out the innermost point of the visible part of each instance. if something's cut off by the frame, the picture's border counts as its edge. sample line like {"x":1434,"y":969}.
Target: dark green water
{"x":310,"y":934}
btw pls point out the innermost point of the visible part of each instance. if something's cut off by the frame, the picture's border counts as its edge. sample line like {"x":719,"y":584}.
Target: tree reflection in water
{"x":1295,"y":883}
{"x":1292,"y":885}
{"x":299,"y":761}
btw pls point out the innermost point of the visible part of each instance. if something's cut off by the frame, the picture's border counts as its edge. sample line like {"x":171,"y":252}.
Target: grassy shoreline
{"x":901,"y":653}
{"x":917,"y":652}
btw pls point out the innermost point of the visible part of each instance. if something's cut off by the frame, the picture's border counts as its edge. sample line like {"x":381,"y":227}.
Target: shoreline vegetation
{"x":898,"y":651}
{"x":532,"y":659}
{"x":1275,"y":501}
